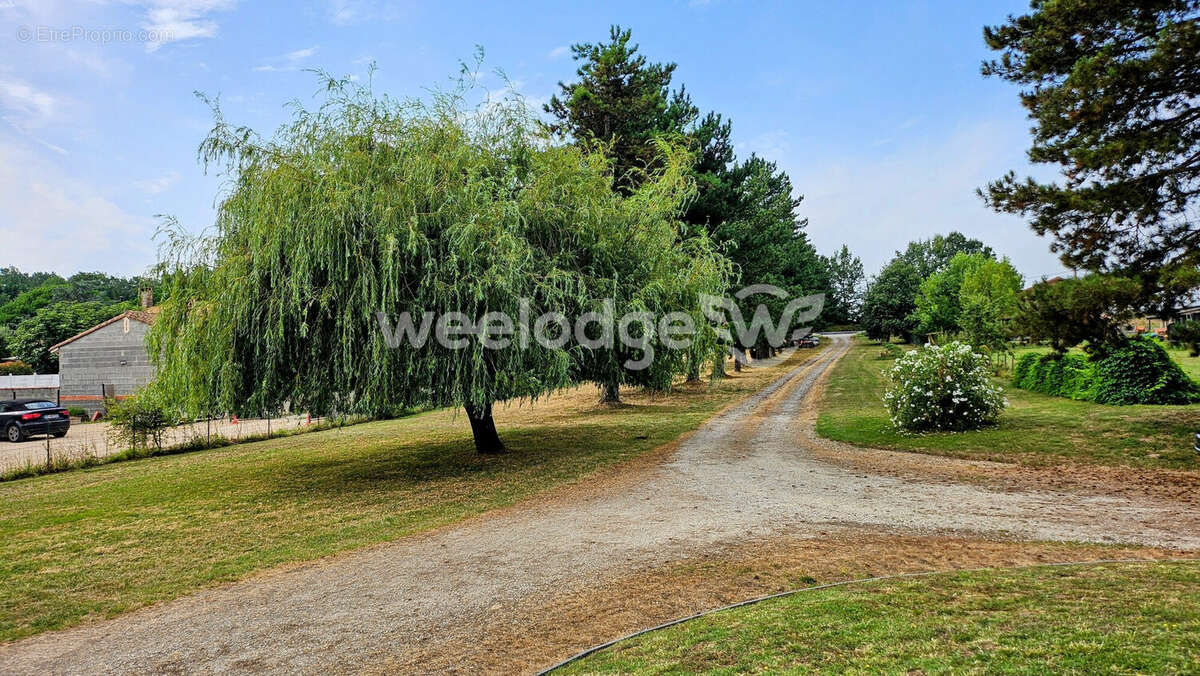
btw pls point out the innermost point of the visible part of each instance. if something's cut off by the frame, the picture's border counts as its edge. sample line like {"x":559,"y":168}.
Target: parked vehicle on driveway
{"x":808,"y":341}
{"x":23,"y":418}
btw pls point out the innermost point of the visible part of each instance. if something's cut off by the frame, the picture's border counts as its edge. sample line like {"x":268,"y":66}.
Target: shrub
{"x":76,"y":412}
{"x":1141,"y":372}
{"x":139,"y":420}
{"x":1023,"y":366}
{"x":1138,"y":371}
{"x":944,"y":387}
{"x":890,"y":351}
{"x":1059,"y":375}
{"x":15,"y":368}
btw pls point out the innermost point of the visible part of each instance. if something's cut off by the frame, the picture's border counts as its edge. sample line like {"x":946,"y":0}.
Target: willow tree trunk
{"x":693,"y":372}
{"x":718,"y":369}
{"x":483,"y":428}
{"x":610,"y":393}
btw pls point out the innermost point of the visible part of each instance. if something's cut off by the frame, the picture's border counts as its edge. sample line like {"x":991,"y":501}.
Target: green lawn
{"x":1190,"y":364}
{"x":1035,"y":429}
{"x":96,"y":542}
{"x":1127,"y":618}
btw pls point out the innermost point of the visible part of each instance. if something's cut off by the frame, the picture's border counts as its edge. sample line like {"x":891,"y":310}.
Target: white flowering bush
{"x":945,"y":387}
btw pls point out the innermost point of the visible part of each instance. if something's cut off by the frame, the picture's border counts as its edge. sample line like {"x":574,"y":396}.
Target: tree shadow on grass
{"x":535,"y":453}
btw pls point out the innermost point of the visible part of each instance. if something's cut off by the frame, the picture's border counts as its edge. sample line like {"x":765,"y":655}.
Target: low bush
{"x":1064,"y":375}
{"x":76,"y":412}
{"x":140,"y":420}
{"x":944,"y":387}
{"x":1139,"y":371}
{"x":890,"y":351}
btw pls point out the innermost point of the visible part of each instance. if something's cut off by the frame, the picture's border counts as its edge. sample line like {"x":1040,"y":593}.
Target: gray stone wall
{"x":47,"y":393}
{"x":115,"y":355}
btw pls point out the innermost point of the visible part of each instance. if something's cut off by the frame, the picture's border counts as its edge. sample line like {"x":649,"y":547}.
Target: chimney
{"x":147,"y":298}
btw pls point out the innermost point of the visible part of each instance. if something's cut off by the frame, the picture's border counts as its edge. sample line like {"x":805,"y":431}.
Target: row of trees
{"x":41,"y":309}
{"x":369,"y":206}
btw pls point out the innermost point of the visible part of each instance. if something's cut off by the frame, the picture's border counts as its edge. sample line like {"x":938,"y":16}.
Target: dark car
{"x":808,"y":341}
{"x":21,"y":418}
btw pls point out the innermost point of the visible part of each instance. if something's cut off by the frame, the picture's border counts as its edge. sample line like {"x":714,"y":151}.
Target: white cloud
{"x":178,"y":20}
{"x":878,"y":201}
{"x":50,"y":220}
{"x":23,"y":98}
{"x":350,"y":12}
{"x":344,"y":12}
{"x":300,"y":54}
{"x":286,"y":62}
{"x":558,"y":52}
{"x":347,"y":12}
{"x":158,"y":184}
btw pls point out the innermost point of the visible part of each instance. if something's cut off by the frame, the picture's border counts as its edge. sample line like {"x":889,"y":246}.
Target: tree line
{"x":1111,"y":88}
{"x":942,"y":287}
{"x":40,"y":309}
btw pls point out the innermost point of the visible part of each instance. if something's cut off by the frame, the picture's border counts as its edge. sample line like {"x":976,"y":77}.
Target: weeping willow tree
{"x":650,"y":269}
{"x":368,"y":205}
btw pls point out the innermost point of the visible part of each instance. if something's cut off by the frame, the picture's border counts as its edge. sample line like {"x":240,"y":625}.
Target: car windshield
{"x":39,"y":405}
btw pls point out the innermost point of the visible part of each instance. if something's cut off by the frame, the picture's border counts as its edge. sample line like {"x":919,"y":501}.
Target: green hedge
{"x":1139,"y":372}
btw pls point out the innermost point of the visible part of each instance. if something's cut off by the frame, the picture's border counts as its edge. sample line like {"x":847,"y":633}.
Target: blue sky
{"x":876,"y":109}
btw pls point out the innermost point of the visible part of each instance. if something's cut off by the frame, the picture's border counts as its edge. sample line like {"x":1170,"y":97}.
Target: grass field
{"x":93,"y":543}
{"x":1035,"y":429}
{"x":1123,"y":618}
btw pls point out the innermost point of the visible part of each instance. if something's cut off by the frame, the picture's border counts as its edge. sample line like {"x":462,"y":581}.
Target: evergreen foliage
{"x":1111,"y":86}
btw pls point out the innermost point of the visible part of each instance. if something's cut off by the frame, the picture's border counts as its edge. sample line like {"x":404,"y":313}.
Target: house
{"x":107,"y":361}
{"x":1187,"y":313}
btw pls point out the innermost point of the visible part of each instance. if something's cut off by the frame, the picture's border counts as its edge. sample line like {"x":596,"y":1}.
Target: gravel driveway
{"x":84,"y":439}
{"x":747,"y":473}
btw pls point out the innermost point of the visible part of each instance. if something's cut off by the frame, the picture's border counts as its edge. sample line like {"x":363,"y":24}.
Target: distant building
{"x":107,"y":361}
{"x":1192,"y":312}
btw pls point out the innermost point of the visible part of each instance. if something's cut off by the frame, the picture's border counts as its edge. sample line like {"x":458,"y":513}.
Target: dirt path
{"x":748,"y":474}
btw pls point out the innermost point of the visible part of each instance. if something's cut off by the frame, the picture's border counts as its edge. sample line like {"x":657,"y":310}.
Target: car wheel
{"x":14,"y":433}
{"x":59,"y":435}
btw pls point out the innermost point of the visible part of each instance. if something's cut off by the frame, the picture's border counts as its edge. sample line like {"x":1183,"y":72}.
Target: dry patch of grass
{"x":97,"y":542}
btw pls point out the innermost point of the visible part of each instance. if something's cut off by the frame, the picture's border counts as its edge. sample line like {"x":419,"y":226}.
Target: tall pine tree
{"x":1111,"y":86}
